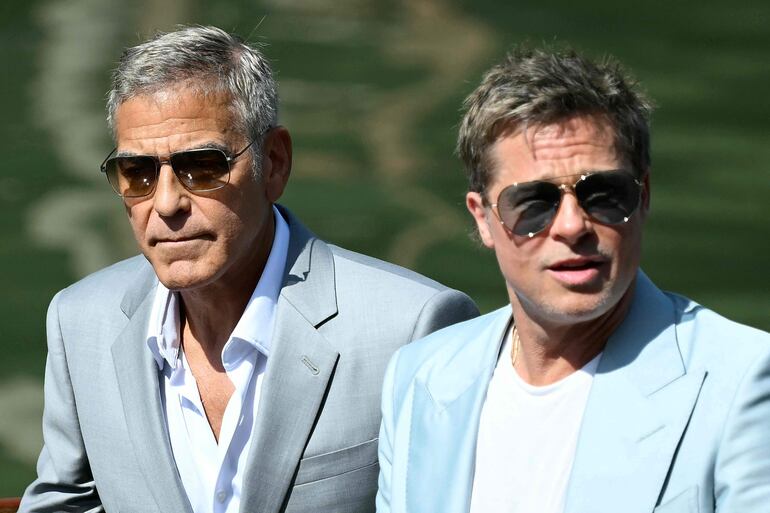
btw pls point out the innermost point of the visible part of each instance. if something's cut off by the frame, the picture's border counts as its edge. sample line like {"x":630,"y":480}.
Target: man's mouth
{"x":179,"y":239}
{"x":576,"y":264}
{"x":578,"y":271}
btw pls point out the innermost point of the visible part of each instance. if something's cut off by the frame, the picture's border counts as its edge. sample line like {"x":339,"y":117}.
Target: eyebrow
{"x":210,"y":145}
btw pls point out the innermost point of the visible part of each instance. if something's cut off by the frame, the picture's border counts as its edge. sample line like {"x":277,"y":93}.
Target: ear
{"x":475,"y":204}
{"x":276,"y":162}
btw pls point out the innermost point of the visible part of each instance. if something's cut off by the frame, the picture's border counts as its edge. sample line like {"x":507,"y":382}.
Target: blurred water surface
{"x":371,"y":91}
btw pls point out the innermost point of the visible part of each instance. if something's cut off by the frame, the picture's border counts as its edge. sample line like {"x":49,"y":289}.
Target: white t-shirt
{"x":527,"y":439}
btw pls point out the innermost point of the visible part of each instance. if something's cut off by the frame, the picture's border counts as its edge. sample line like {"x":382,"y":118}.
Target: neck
{"x":549,"y":352}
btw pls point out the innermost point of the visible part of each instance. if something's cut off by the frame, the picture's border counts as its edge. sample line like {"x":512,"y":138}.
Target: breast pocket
{"x":330,"y":464}
{"x":343,"y":481}
{"x":685,"y":502}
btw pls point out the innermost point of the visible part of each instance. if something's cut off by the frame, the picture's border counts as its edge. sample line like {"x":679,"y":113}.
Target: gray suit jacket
{"x":339,"y":318}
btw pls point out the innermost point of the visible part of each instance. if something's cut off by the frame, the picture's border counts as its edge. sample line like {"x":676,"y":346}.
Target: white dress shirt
{"x":211,"y":472}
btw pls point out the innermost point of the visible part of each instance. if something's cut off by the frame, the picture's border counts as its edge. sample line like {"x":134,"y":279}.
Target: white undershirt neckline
{"x":211,"y":472}
{"x":527,"y":439}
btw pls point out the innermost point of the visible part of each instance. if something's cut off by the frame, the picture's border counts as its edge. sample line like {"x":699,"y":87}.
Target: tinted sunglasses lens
{"x":201,"y":170}
{"x":528,"y":208}
{"x":609,"y":197}
{"x":131,"y":177}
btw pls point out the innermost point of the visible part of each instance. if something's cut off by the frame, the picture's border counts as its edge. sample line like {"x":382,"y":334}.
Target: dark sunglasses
{"x":609,"y":197}
{"x":201,"y":170}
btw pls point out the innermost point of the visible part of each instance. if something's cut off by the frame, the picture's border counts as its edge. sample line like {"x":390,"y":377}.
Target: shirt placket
{"x":200,"y":439}
{"x":239,"y":360}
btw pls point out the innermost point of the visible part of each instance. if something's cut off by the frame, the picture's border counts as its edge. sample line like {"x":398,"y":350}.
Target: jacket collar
{"x":137,"y":293}
{"x":470,"y":360}
{"x":645,"y":340}
{"x":313,"y":294}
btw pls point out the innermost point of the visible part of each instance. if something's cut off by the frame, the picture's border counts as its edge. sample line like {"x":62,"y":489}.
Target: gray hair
{"x":536,"y":87}
{"x":209,"y":60}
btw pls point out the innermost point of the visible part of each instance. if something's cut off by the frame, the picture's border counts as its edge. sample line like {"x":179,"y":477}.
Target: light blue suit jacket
{"x":678,"y":417}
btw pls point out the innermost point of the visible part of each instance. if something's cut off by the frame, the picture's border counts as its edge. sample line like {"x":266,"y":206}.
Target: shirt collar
{"x":255,"y":326}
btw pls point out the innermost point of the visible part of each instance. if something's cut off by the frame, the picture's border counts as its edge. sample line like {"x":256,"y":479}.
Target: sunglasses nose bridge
{"x":564,"y":190}
{"x":570,"y":220}
{"x":567,"y":188}
{"x":184,"y":179}
{"x":160,"y":164}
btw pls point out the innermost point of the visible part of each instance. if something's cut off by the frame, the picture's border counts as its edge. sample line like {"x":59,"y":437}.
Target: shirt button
{"x":221,"y":496}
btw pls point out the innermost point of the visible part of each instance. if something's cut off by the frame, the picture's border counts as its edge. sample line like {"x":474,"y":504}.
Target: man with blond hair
{"x":593,"y":391}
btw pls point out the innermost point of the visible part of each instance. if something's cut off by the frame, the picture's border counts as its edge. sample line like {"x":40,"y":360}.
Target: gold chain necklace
{"x":516,"y":346}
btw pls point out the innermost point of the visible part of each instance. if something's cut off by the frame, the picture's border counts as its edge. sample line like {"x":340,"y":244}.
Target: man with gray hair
{"x":237,"y":364}
{"x":593,"y":391}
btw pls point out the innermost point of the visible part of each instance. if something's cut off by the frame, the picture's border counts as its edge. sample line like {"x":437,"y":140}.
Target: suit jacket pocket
{"x":685,"y":502}
{"x":330,"y":464}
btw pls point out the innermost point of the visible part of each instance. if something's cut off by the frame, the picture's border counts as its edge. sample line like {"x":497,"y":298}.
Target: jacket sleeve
{"x":742,"y":470}
{"x":443,"y":309}
{"x":64,"y":481}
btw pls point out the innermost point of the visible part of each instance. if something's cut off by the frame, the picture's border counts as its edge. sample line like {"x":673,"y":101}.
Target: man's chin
{"x":576,"y":307}
{"x":586,"y":306}
{"x":180,"y":285}
{"x":181,"y":276}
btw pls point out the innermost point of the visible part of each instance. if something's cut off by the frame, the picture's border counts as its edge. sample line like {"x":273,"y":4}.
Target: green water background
{"x":371,"y":93}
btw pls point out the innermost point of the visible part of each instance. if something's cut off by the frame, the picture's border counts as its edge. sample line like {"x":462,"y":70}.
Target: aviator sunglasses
{"x":609,"y":197}
{"x":199,"y":170}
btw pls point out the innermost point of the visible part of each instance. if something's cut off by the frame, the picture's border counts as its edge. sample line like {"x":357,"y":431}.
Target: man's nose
{"x":170,"y":195}
{"x":571,"y":221}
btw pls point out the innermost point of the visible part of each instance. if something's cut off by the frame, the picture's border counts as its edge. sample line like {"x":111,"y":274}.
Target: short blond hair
{"x":535,"y":87}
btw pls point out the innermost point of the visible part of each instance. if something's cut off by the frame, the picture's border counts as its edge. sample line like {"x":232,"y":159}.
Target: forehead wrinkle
{"x":167,"y":106}
{"x":555,"y":151}
{"x":184,"y":125}
{"x":207,"y":145}
{"x":187,"y":133}
{"x":173,"y":143}
{"x":564,"y":140}
{"x":176,"y":134}
{"x":561,"y":149}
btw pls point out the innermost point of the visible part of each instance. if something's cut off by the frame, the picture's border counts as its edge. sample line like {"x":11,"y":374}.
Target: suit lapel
{"x":639,"y":406}
{"x":299,"y":369}
{"x":137,"y":375}
{"x":446,"y":408}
